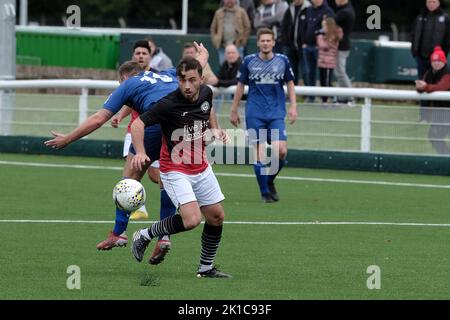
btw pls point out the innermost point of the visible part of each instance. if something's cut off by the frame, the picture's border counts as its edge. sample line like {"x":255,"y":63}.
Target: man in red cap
{"x":437,"y":78}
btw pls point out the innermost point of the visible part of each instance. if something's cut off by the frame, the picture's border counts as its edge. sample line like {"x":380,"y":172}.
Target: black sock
{"x":170,"y":225}
{"x":210,"y":243}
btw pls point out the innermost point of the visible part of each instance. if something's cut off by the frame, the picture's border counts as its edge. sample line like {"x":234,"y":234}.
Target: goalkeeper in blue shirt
{"x":265,"y":73}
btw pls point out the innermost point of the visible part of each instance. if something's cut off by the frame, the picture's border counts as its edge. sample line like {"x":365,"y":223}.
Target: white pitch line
{"x":337,"y":223}
{"x":237,"y":175}
{"x":386,"y":183}
{"x":54,"y":165}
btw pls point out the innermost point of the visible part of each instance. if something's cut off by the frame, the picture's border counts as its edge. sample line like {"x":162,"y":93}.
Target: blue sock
{"x":281,"y":164}
{"x":167,"y":208}
{"x":262,"y":177}
{"x":122,"y":218}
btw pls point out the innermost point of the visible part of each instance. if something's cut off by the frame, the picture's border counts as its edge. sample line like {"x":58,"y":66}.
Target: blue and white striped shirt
{"x":265,"y":79}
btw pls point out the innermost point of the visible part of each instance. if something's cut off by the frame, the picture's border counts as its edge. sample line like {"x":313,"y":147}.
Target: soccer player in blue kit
{"x":139,"y":90}
{"x":265,"y":111}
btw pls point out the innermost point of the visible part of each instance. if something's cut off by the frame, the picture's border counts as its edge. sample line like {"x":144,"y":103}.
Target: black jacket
{"x":345,"y":18}
{"x":429,"y":30}
{"x":294,"y":21}
{"x":314,"y":17}
{"x":228,"y":73}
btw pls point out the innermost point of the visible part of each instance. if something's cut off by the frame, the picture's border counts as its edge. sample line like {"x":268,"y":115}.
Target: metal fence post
{"x":1,"y":112}
{"x":7,"y":101}
{"x":366,"y":117}
{"x":83,"y":105}
{"x":7,"y":62}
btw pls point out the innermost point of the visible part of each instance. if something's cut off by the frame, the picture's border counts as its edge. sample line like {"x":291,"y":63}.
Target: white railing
{"x":366,"y":119}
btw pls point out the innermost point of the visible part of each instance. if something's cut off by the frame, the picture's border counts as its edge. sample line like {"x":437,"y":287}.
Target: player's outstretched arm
{"x":89,"y":125}
{"x":234,"y":115}
{"x":292,"y":112}
{"x":119,"y":116}
{"x":137,"y":138}
{"x":202,"y":53}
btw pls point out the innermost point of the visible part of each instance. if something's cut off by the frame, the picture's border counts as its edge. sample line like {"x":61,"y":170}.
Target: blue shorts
{"x":265,"y":130}
{"x":152,"y":143}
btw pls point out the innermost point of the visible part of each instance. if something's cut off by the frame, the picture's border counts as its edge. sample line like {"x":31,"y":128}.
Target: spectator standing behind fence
{"x":230,"y":25}
{"x":314,"y":17}
{"x":345,"y":18}
{"x":291,"y":30}
{"x":431,"y":28}
{"x":328,"y":44}
{"x":160,"y":61}
{"x":248,"y":6}
{"x":270,"y":15}
{"x":437,"y":78}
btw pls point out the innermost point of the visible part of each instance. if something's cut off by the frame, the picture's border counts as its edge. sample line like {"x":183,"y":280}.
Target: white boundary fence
{"x":85,"y":84}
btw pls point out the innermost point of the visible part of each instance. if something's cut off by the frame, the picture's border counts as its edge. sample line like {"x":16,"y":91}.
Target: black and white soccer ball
{"x":129,"y":195}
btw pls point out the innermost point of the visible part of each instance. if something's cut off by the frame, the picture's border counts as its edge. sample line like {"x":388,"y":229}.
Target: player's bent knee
{"x":191,"y":215}
{"x":153,"y":174}
{"x":282,"y":153}
{"x":214,"y":215}
{"x":191,"y":222}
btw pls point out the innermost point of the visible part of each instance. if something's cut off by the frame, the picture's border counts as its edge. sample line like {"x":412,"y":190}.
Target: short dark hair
{"x":265,"y":31}
{"x":129,"y":68}
{"x":187,"y":64}
{"x":141,"y":44}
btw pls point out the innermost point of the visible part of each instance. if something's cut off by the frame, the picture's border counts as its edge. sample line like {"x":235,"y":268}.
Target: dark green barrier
{"x":81,"y":148}
{"x":334,"y":160}
{"x":391,"y":64}
{"x":172,"y":45}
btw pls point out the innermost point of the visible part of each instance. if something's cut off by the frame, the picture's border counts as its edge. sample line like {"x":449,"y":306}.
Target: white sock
{"x":204,"y":267}
{"x":144,"y":233}
{"x":166,"y":238}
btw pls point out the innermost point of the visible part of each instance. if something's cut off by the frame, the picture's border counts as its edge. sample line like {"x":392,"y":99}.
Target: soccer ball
{"x":129,"y":195}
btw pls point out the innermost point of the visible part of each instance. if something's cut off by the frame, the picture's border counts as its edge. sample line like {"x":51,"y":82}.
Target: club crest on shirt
{"x":205,"y":106}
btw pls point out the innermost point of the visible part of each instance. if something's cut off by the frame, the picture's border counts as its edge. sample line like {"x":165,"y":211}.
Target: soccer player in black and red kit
{"x":185,"y":116}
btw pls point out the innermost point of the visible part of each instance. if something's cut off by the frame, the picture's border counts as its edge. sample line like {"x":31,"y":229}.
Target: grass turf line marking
{"x":334,"y":223}
{"x":237,"y":175}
